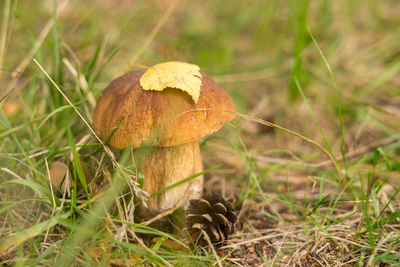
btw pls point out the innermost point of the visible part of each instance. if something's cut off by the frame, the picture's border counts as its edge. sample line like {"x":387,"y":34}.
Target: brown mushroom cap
{"x":159,"y":118}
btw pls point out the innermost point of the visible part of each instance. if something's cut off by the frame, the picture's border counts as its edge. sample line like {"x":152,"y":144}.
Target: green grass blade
{"x":78,"y":165}
{"x":300,"y":89}
{"x":42,"y":190}
{"x":24,"y":235}
{"x":338,"y":98}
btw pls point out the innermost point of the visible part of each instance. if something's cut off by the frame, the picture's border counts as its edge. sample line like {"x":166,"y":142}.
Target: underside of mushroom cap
{"x":127,"y":115}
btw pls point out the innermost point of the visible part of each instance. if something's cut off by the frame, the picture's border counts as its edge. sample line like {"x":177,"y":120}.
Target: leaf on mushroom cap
{"x":173,"y":74}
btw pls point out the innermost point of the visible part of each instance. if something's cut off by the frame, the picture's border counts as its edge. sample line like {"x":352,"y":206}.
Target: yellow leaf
{"x":174,"y":74}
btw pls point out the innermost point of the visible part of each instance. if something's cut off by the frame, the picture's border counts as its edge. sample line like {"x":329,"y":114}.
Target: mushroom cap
{"x":128,"y":115}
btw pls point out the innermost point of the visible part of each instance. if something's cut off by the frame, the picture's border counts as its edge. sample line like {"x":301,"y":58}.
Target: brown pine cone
{"x":211,"y":215}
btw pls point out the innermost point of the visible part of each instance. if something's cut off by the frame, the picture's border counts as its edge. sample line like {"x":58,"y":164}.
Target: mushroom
{"x":163,"y":128}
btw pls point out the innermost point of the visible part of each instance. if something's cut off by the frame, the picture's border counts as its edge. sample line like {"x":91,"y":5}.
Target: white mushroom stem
{"x":165,"y":166}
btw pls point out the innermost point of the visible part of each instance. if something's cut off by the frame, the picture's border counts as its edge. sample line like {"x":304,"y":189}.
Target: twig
{"x":12,"y":173}
{"x":212,"y":247}
{"x":159,"y":216}
{"x":254,"y":240}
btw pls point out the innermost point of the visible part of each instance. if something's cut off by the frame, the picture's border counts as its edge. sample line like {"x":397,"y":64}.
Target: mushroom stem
{"x":165,"y":166}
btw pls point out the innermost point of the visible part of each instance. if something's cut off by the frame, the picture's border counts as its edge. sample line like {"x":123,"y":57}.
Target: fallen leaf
{"x":58,"y":170}
{"x":173,"y":74}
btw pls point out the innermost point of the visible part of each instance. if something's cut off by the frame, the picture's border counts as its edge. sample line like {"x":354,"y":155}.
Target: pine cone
{"x":211,"y":215}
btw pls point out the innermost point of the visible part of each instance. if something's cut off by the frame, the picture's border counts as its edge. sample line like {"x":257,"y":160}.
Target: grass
{"x":318,"y":188}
